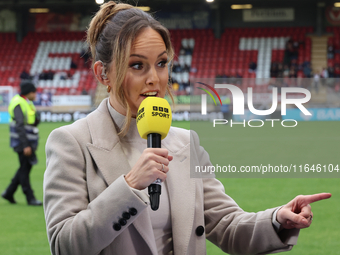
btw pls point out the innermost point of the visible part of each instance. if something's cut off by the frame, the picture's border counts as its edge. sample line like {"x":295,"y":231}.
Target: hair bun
{"x":99,"y":21}
{"x":102,"y":17}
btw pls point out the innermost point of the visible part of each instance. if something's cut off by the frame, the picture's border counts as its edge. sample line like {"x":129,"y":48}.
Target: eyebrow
{"x":141,"y":56}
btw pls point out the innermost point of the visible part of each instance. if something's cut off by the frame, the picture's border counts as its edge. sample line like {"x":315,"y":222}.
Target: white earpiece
{"x":103,"y":74}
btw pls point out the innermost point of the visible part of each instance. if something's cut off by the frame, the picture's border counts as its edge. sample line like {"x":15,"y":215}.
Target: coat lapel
{"x":105,"y":149}
{"x":182,"y":200}
{"x":111,"y":161}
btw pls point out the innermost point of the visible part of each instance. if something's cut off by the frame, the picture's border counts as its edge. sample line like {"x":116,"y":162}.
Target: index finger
{"x":316,"y":197}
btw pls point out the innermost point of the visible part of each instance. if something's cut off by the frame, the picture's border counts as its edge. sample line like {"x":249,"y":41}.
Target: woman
{"x":98,"y":168}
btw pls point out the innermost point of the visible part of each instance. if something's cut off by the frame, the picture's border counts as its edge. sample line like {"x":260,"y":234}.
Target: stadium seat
{"x":230,"y":54}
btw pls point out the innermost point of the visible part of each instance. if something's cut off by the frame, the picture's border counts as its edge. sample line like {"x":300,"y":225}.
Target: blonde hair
{"x":110,"y":36}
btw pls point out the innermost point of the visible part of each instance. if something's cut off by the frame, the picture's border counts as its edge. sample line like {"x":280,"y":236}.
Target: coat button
{"x":126,"y":215}
{"x":122,"y":222}
{"x":116,"y":226}
{"x":133,"y":211}
{"x":199,"y":230}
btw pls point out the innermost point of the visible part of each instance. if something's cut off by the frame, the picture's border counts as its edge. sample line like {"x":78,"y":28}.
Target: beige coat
{"x":85,"y":193}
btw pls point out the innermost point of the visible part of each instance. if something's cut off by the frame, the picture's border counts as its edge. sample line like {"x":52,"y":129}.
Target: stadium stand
{"x":233,"y":53}
{"x":12,"y":59}
{"x":58,"y":54}
{"x":246,"y":53}
{"x":333,"y":52}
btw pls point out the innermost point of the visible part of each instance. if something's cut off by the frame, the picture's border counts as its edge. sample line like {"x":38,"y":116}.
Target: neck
{"x":24,"y":97}
{"x":119,"y":108}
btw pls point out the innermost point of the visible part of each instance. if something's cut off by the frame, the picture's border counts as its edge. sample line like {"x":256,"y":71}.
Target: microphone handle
{"x":154,"y":140}
{"x":154,"y":190}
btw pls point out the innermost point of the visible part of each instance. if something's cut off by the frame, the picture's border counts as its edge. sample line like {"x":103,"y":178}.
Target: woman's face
{"x":147,"y":73}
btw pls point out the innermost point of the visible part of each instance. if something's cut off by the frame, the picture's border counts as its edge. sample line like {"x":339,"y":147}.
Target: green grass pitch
{"x":23,"y":231}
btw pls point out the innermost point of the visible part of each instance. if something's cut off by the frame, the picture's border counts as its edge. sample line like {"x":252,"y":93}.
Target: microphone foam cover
{"x":154,"y":116}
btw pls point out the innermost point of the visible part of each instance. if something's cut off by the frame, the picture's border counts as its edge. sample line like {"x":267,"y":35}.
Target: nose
{"x":152,"y":77}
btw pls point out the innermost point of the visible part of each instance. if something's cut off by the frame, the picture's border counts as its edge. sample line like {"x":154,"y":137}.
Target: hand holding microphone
{"x":153,"y":123}
{"x":148,"y":168}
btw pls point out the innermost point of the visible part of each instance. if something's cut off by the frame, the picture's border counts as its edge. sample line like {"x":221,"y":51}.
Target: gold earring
{"x":108,"y":89}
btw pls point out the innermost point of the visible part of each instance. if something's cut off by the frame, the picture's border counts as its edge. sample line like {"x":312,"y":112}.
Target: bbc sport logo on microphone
{"x":161,"y":112}
{"x":157,"y":111}
{"x":154,"y":116}
{"x":140,"y":114}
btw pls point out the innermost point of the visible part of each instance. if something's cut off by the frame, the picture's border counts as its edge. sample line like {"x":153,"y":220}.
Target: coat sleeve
{"x":232,"y":229}
{"x":74,"y":224}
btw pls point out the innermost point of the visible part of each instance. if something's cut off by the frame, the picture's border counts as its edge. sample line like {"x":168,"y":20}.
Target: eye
{"x":137,"y":66}
{"x":162,"y":63}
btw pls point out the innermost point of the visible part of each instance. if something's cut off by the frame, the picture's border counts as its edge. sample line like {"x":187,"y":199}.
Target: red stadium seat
{"x":211,"y":56}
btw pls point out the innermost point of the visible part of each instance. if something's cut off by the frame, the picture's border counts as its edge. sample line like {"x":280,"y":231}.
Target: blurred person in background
{"x":24,"y":140}
{"x":330,"y":71}
{"x":324,"y":76}
{"x":225,"y":107}
{"x":317,"y":81}
{"x":99,"y":168}
{"x":25,"y":75}
{"x":307,"y":70}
